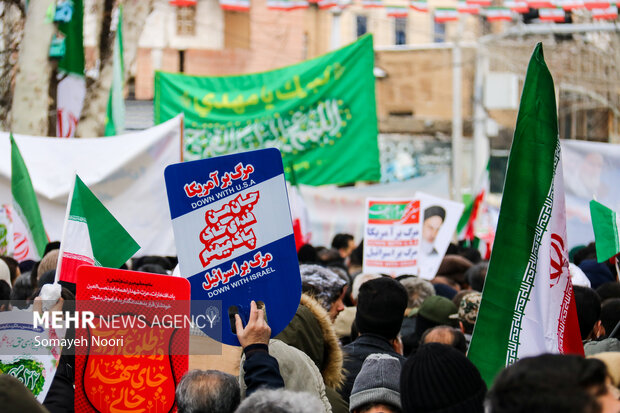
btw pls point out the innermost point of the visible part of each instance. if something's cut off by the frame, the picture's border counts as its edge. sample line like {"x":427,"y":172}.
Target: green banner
{"x":321,"y":114}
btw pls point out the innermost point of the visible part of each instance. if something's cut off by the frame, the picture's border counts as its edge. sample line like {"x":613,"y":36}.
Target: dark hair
{"x":476,"y":275}
{"x":472,"y":254}
{"x":588,"y":309}
{"x":341,"y":241}
{"x":51,"y":246}
{"x":153,"y":269}
{"x":20,"y":293}
{"x":357,"y":255}
{"x":455,"y":336}
{"x":549,"y":383}
{"x":610,"y":315}
{"x":608,"y":290}
{"x":13,"y":267}
{"x":307,"y":254}
{"x":586,"y":253}
{"x":434,"y":210}
{"x":207,"y":391}
{"x":5,"y":296}
{"x":152,"y":259}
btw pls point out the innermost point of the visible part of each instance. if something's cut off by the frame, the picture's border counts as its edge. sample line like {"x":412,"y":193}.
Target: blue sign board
{"x":234,"y":236}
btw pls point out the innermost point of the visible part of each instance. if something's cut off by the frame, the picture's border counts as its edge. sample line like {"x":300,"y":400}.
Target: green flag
{"x":527,"y":305}
{"x":73,"y":60}
{"x":321,"y":114}
{"x":605,"y":225}
{"x":30,"y":237}
{"x":115,"y":118}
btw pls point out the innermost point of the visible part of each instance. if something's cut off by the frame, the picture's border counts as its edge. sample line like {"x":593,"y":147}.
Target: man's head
{"x":449,"y":336}
{"x":280,"y":401}
{"x":5,"y":296}
{"x":344,"y":244}
{"x":588,"y":305}
{"x":357,"y":283}
{"x":552,"y":383}
{"x":13,"y":267}
{"x":610,"y":315}
{"x":325,"y":286}
{"x":468,"y":311}
{"x":418,"y":290}
{"x":476,"y":275}
{"x":381,"y":306}
{"x":439,"y":378}
{"x":433,"y":219}
{"x":609,"y":290}
{"x":377,"y":386}
{"x":201,"y":391}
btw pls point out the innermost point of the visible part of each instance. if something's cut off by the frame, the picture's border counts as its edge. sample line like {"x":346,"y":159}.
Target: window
{"x":361,"y":25}
{"x":186,"y":20}
{"x":400,"y":30}
{"x":236,"y":30}
{"x":439,"y":31}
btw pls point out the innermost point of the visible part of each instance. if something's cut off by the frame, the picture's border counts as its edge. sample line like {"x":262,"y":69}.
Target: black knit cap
{"x":381,"y":305}
{"x":440,"y":379}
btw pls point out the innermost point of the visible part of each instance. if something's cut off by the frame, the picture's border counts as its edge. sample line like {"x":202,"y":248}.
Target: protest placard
{"x":234,"y":236}
{"x":392,"y":236}
{"x":22,"y":355}
{"x":136,"y":350}
{"x":439,"y":218}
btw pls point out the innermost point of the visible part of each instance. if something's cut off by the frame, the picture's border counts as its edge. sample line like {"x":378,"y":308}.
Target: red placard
{"x":132,"y":360}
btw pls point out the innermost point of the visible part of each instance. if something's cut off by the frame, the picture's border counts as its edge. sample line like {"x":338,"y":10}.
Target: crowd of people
{"x":364,"y":343}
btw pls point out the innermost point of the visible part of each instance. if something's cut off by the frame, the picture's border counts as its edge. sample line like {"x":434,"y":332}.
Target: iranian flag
{"x":396,"y":11}
{"x":605,"y":224}
{"x":484,"y":3}
{"x":555,"y":14}
{"x":372,"y":3}
{"x":527,"y":304}
{"x":29,"y":237}
{"x":91,"y":235}
{"x":596,"y":4}
{"x":466,"y":225}
{"x":610,"y":13}
{"x":419,"y":5}
{"x":572,"y":4}
{"x":517,"y":6}
{"x":115,"y":117}
{"x":540,"y":4}
{"x":287,"y":5}
{"x":235,"y":5}
{"x":466,"y":7}
{"x":446,"y":14}
{"x":496,"y":14}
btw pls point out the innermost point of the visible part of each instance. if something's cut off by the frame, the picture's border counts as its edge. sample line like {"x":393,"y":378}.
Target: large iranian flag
{"x":28,"y":231}
{"x":91,"y":235}
{"x":527,"y":304}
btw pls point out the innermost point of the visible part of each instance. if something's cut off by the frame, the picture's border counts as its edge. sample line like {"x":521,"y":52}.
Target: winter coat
{"x":312,"y":332}
{"x":297,"y":369}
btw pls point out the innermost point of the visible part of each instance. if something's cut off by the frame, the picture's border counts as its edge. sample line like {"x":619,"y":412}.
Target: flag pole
{"x":64,"y":231}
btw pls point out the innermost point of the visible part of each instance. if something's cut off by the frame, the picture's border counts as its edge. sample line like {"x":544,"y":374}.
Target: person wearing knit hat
{"x":325,"y":286}
{"x":440,"y":379}
{"x":377,"y":386}
{"x":381,"y":307}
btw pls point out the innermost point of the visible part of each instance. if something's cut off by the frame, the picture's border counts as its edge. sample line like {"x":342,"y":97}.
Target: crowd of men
{"x":365,"y":343}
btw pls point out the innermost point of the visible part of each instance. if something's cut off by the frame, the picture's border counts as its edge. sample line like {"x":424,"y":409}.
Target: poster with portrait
{"x":392,"y":236}
{"x":439,"y":218}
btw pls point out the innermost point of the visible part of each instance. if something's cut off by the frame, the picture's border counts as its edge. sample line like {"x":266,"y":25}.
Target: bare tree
{"x":135,"y":12}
